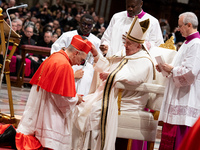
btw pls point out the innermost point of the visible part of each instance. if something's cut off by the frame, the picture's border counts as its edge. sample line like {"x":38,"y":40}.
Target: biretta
{"x":137,"y":31}
{"x":81,"y":44}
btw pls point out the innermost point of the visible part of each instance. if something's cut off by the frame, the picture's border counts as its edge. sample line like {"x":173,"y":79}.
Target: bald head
{"x":11,"y":3}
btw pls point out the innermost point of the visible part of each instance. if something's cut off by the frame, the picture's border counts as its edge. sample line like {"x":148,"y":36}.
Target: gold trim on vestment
{"x":134,"y":39}
{"x":133,"y":23}
{"x":105,"y":102}
{"x":120,"y":90}
{"x":106,"y":95}
{"x":119,"y":100}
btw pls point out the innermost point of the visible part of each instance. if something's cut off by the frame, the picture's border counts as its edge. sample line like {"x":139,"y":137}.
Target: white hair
{"x":49,"y":32}
{"x":190,"y":17}
{"x":19,"y":20}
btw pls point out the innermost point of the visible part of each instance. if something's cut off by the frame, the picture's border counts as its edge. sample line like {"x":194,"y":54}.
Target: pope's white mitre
{"x":137,"y":31}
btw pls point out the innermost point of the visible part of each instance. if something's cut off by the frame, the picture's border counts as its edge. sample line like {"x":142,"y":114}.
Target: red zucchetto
{"x":81,"y":44}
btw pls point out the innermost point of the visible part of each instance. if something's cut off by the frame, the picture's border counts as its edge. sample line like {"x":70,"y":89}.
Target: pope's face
{"x":131,"y":47}
{"x":133,"y":7}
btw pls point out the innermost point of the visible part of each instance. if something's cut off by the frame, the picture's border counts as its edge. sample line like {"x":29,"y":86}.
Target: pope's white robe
{"x":47,"y":116}
{"x":120,"y":24}
{"x":181,"y":103}
{"x":88,"y":114}
{"x":83,"y":84}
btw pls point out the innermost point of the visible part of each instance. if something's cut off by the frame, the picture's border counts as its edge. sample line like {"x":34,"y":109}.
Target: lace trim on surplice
{"x":184,"y":111}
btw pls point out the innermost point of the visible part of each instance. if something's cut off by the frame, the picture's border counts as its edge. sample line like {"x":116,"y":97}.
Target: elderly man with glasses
{"x":181,"y":104}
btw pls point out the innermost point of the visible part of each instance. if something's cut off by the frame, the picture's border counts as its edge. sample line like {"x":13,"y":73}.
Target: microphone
{"x":14,"y":7}
{"x":20,"y":6}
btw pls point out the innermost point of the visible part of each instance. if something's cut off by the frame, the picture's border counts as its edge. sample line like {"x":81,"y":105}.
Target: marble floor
{"x":20,"y":96}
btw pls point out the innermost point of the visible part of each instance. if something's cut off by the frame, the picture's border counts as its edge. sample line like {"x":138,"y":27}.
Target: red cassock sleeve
{"x":56,"y":75}
{"x":27,"y":142}
{"x":23,"y":141}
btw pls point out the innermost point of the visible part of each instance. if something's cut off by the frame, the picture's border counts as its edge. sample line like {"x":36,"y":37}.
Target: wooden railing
{"x":38,"y":50}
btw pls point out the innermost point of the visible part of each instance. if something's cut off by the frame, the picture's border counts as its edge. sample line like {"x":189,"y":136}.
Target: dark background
{"x":165,"y":9}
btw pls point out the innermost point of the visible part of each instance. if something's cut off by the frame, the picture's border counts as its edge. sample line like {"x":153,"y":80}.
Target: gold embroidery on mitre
{"x":137,"y":31}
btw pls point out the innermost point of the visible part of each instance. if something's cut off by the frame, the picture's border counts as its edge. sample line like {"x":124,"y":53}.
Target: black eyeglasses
{"x":179,"y":26}
{"x":86,"y":24}
{"x":28,"y":31}
{"x":82,"y":61}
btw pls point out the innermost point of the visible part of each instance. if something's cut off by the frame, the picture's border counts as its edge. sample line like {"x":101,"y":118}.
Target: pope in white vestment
{"x":136,"y":71}
{"x":120,"y":24}
{"x":100,"y":109}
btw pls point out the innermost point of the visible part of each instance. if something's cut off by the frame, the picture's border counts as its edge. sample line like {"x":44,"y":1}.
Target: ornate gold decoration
{"x":1,"y":10}
{"x":169,"y":44}
{"x":8,"y":119}
{"x":119,"y":101}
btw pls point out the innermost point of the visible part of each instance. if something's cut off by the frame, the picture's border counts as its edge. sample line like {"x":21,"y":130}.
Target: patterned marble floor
{"x":20,"y":96}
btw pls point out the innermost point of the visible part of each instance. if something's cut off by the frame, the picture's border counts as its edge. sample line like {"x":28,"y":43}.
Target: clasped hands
{"x":78,"y":74}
